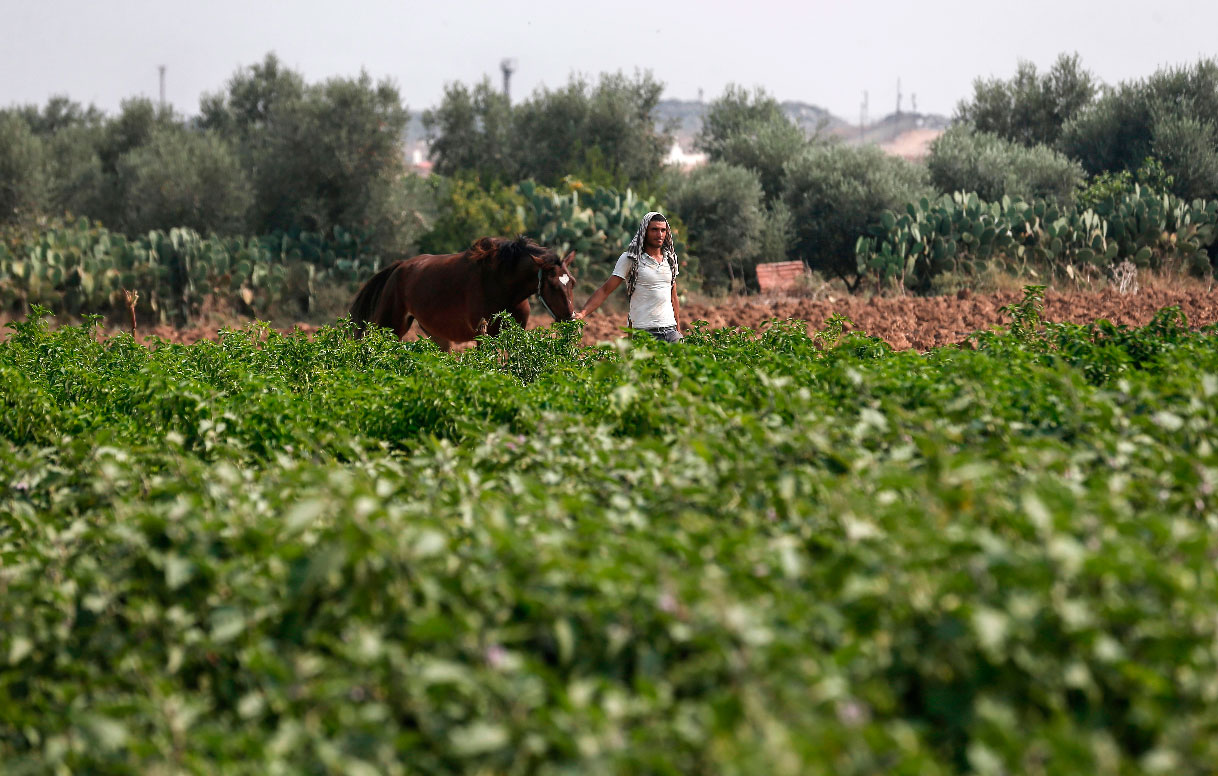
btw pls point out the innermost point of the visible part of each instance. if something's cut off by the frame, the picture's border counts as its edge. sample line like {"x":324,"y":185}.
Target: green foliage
{"x":76,"y":179}
{"x":252,"y":100}
{"x":1188,"y":146}
{"x":470,"y":133}
{"x":834,"y":193}
{"x":192,"y":180}
{"x":595,"y":222}
{"x":59,"y":114}
{"x":1026,"y":316}
{"x":22,"y":173}
{"x":964,"y":159}
{"x":1113,"y":186}
{"x":753,"y":553}
{"x":778,"y":232}
{"x":608,"y":126}
{"x":320,"y":156}
{"x":1167,"y":116}
{"x":1030,"y":109}
{"x":962,"y":234}
{"x":137,"y":120}
{"x":467,"y":212}
{"x":84,"y":268}
{"x":603,"y":133}
{"x":722,"y":205}
{"x":751,"y":131}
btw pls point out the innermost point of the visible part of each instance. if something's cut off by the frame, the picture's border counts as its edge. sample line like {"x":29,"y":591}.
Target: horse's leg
{"x":443,"y":344}
{"x":404,"y":326}
{"x":392,"y":310}
{"x":520,"y":313}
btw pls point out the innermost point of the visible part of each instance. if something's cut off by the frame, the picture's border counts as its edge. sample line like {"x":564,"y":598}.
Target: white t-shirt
{"x":651,"y":304}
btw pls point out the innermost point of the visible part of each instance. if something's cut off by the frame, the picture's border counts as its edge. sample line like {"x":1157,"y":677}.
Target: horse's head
{"x":556,"y":284}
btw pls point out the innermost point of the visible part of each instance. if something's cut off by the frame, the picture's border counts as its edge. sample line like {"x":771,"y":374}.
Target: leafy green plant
{"x":962,"y":233}
{"x":751,"y":552}
{"x":1026,"y":315}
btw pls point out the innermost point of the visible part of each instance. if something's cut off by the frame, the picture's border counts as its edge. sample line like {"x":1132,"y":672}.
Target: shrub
{"x":1188,"y":146}
{"x":1030,"y":109}
{"x":1113,"y":186}
{"x":752,"y":132}
{"x":467,"y":211}
{"x":320,"y":156}
{"x":836,"y":192}
{"x":607,"y":128}
{"x":22,"y":175}
{"x":722,"y":206}
{"x":1166,"y":116}
{"x":469,"y":133}
{"x":964,"y":159}
{"x":184,"y":179}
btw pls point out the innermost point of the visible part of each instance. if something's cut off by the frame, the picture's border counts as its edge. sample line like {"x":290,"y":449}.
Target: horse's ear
{"x":566,"y":260}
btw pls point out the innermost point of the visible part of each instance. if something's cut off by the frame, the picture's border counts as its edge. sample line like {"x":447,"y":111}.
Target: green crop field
{"x":747,"y":555}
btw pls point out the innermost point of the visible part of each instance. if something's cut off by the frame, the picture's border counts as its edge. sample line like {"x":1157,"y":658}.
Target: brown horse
{"x":454,"y":297}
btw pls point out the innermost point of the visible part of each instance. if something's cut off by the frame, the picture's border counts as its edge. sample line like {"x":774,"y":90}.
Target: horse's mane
{"x":504,"y":251}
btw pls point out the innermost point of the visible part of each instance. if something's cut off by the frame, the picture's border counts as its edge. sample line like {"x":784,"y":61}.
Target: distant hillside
{"x":892,"y":126}
{"x":892,"y":132}
{"x":686,"y":118}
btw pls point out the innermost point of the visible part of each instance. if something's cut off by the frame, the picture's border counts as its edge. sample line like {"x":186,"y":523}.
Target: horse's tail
{"x":369,"y":295}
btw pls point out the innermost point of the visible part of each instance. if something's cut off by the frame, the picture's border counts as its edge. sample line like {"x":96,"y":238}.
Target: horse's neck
{"x":510,"y":290}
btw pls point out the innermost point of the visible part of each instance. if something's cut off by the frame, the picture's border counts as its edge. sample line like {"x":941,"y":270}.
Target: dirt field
{"x":926,"y":322}
{"x":904,"y":322}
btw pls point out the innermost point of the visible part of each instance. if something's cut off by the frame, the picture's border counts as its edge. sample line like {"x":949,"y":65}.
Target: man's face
{"x":657,"y":230}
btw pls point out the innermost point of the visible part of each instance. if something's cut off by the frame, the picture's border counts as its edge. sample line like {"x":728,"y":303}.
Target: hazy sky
{"x":821,"y":53}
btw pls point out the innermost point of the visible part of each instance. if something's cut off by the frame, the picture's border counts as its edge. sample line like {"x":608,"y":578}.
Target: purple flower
{"x":495,"y":656}
{"x":852,"y":713}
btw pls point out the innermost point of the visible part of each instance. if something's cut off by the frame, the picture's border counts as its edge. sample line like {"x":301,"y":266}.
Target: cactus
{"x":959,"y":232}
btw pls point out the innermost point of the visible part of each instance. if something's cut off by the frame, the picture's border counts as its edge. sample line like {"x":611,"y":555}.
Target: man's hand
{"x":578,"y":316}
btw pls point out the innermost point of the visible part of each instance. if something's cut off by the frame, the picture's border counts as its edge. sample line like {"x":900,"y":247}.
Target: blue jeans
{"x":665,"y":334}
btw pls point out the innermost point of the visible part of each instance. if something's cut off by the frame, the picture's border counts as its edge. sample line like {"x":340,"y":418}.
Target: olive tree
{"x":835,"y":192}
{"x":964,"y":159}
{"x":751,"y":130}
{"x":725,"y":218}
{"x":1031,"y":108}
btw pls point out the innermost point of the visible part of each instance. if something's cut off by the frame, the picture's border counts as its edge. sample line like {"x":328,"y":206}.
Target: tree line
{"x":271,"y":153}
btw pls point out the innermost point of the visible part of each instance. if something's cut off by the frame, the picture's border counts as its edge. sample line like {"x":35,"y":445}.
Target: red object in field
{"x":779,"y":275}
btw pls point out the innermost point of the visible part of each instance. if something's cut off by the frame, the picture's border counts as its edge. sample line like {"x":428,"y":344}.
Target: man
{"x":649,"y":269}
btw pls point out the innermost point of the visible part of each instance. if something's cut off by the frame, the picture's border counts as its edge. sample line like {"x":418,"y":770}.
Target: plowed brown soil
{"x":927,"y":322}
{"x":904,"y":322}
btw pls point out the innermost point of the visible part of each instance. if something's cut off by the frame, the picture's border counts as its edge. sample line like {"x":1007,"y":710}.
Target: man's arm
{"x":599,"y":296}
{"x":676,"y":306}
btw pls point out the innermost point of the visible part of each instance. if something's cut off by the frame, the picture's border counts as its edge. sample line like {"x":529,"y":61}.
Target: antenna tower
{"x":898,"y":97}
{"x":161,"y":70}
{"x":508,"y":66}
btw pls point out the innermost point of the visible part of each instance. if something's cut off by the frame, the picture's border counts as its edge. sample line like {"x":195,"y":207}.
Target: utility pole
{"x":508,"y":66}
{"x":898,"y":98}
{"x":161,"y":69}
{"x":863,"y":114}
{"x":913,"y":98}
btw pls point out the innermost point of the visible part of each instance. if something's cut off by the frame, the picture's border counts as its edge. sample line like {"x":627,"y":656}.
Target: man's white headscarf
{"x":637,"y":248}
